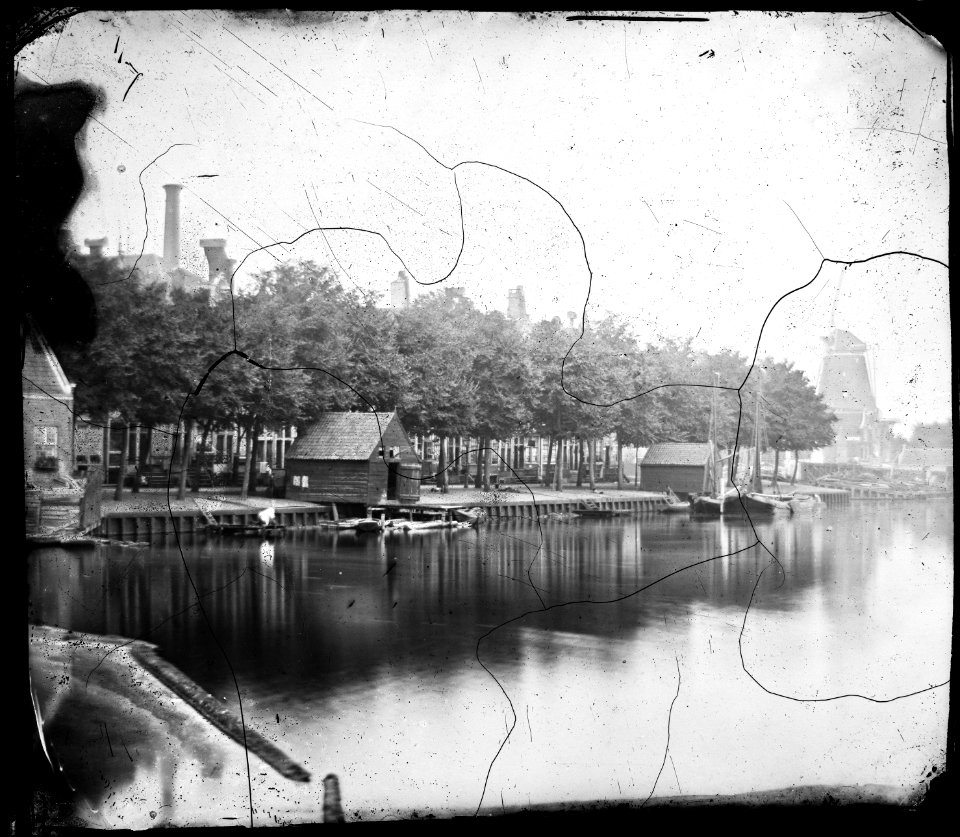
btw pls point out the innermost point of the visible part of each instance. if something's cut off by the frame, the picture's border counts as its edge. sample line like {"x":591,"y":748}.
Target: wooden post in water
{"x":90,"y":505}
{"x":332,"y":809}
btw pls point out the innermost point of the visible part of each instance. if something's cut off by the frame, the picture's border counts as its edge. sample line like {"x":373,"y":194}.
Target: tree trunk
{"x":124,"y":448}
{"x":478,"y":477}
{"x":776,"y":469}
{"x":796,"y":463}
{"x":592,"y":447}
{"x":135,"y":487}
{"x":558,"y":470}
{"x":442,"y":466}
{"x":146,"y":450}
{"x":486,"y":466}
{"x":185,"y":457}
{"x":619,"y":463}
{"x":580,"y":461}
{"x":203,"y":450}
{"x":247,"y":466}
{"x":251,"y":474}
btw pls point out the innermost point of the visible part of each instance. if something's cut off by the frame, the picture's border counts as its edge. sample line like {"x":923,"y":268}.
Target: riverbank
{"x":163,"y":748}
{"x":228,"y":499}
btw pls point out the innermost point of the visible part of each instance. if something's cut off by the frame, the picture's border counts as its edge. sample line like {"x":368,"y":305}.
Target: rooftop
{"x":344,"y":436}
{"x":677,"y":453}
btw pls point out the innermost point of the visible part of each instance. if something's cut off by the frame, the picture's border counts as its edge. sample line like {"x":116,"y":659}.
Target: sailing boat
{"x":711,"y":501}
{"x":755,"y":501}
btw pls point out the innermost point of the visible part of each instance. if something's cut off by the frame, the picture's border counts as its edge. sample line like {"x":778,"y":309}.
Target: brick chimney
{"x":215,"y":249}
{"x":96,"y":246}
{"x":171,"y":228}
{"x":516,"y":304}
{"x":400,"y":290}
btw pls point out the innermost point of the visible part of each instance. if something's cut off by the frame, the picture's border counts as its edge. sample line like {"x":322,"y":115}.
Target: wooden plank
{"x":90,"y":510}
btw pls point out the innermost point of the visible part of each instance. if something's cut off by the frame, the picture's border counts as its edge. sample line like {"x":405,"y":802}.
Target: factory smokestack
{"x":171,"y":228}
{"x":96,"y":246}
{"x":220,"y":267}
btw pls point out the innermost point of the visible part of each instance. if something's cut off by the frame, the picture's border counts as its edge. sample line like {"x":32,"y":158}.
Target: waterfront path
{"x":113,"y":702}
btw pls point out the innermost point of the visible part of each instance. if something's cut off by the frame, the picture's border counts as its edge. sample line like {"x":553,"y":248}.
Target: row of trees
{"x":305,"y":344}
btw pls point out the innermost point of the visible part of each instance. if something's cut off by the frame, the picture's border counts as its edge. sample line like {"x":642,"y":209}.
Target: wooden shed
{"x":354,"y":459}
{"x":682,"y":466}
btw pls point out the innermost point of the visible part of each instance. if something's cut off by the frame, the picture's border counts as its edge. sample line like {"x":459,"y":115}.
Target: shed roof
{"x":344,"y":436}
{"x":678,"y":453}
{"x":42,"y":372}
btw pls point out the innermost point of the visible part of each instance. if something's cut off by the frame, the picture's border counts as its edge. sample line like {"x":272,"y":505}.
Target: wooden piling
{"x":332,"y":809}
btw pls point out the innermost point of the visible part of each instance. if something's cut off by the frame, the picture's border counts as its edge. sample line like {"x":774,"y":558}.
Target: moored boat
{"x":674,"y":504}
{"x":472,"y":516}
{"x":247,"y":529}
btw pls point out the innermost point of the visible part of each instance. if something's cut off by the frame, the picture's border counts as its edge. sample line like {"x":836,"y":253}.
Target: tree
{"x":136,"y":366}
{"x":551,"y":410}
{"x":501,"y":373}
{"x":270,"y":387}
{"x":433,"y":338}
{"x":796,"y":418}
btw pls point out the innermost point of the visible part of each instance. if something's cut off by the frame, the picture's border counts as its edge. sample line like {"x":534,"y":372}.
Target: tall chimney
{"x":516,"y":304}
{"x":215,"y":250}
{"x":171,"y":228}
{"x":400,"y":290}
{"x":96,"y":246}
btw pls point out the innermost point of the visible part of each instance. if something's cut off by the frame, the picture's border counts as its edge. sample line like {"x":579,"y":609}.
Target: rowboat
{"x":253,"y":530}
{"x":674,"y":504}
{"x":588,"y":508}
{"x":472,"y":516}
{"x":427,"y":525}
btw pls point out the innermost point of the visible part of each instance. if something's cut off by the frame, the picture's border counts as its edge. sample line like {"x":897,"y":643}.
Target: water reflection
{"x":347,"y":633}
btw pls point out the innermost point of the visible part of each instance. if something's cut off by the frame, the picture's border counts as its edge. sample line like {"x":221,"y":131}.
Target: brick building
{"x":47,"y":413}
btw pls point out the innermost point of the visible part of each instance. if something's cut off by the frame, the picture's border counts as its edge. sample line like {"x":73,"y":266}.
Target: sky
{"x":685,"y":175}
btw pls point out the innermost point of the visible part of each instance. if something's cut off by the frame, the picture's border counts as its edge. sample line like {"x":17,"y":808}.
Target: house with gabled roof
{"x":47,"y":412}
{"x":353,"y":459}
{"x":685,"y":467}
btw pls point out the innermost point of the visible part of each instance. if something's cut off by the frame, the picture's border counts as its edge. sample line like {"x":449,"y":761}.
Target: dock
{"x":149,"y":522}
{"x":523,"y":509}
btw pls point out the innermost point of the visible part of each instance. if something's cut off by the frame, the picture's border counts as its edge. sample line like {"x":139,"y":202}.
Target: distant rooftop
{"x":677,"y":453}
{"x":343,"y":436}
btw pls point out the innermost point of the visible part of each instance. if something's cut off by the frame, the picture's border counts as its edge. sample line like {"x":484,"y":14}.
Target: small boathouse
{"x":353,"y":459}
{"x":685,"y":467}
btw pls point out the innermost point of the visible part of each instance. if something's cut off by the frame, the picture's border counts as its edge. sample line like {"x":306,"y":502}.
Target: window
{"x":296,"y":481}
{"x":306,"y":481}
{"x":46,"y":437}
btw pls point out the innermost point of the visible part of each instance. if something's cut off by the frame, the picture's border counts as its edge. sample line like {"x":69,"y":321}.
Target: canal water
{"x":521,"y":665}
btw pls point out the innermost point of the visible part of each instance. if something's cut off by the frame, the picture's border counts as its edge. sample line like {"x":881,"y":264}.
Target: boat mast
{"x":711,"y":474}
{"x":756,"y":483}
